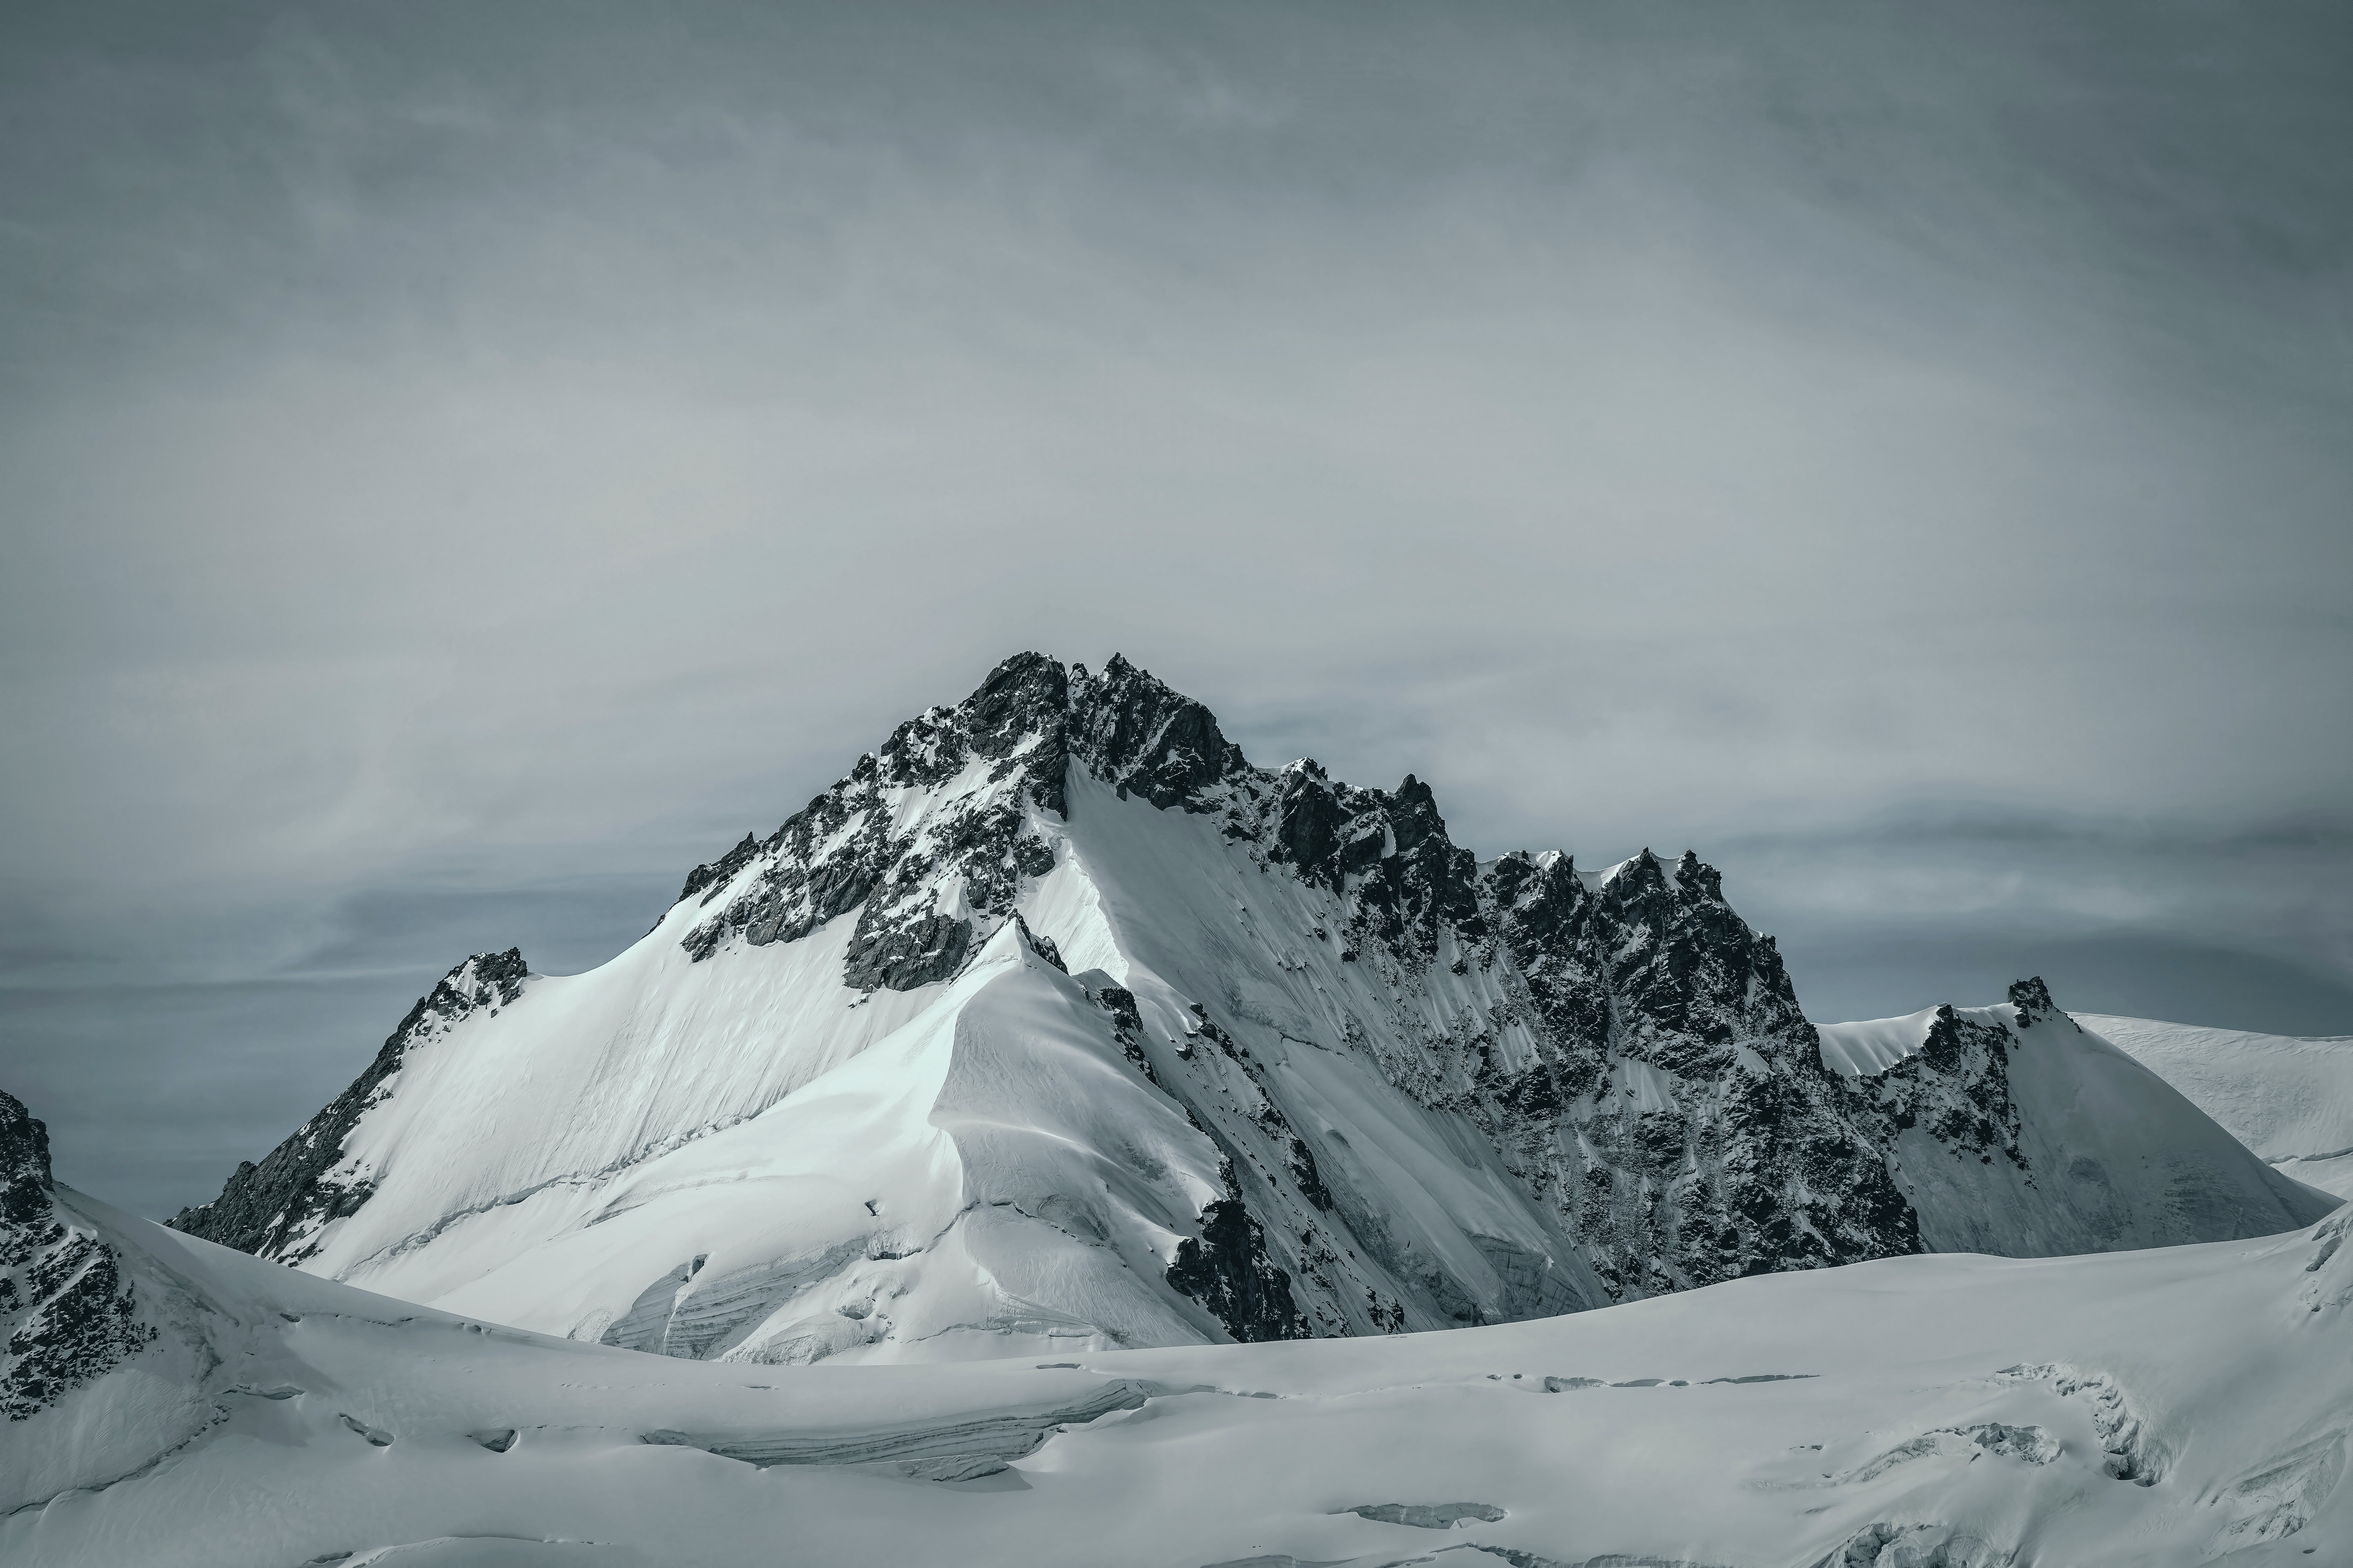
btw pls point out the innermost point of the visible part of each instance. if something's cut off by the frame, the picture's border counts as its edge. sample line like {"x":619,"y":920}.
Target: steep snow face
{"x":2161,"y":1407}
{"x":277,"y":1208}
{"x":2288,"y":1099}
{"x":1058,"y":1026}
{"x":2020,"y":1131}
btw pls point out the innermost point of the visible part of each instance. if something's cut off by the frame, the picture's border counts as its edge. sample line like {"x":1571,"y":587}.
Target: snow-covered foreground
{"x":2290,"y":1100}
{"x":2174,"y":1405}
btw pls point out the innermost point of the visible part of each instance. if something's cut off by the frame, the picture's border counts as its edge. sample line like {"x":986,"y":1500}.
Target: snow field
{"x":2160,"y":1406}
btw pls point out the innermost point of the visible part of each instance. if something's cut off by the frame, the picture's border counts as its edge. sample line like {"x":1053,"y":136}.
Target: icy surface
{"x":2289,"y":1098}
{"x":2164,"y":1407}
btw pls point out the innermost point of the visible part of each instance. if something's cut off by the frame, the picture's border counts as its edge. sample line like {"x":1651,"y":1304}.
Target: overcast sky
{"x":463,"y":465}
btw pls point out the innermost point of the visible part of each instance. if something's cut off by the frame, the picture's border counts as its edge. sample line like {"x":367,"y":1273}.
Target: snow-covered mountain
{"x":1057,"y":1025}
{"x":2288,"y":1098}
{"x":2022,"y":1131}
{"x":2166,"y":1406}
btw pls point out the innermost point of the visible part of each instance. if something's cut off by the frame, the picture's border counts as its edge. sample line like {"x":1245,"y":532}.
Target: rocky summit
{"x":1056,"y":1023}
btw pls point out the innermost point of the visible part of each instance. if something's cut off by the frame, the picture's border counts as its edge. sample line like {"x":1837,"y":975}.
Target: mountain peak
{"x":2033,"y":1000}
{"x":1055,"y":1022}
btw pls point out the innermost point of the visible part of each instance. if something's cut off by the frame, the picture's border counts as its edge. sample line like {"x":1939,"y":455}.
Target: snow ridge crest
{"x":277,"y":1209}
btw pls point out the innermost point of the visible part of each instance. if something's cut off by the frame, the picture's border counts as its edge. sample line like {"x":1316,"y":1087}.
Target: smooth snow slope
{"x":2100,"y":1152}
{"x":2288,"y":1099}
{"x":2169,"y":1407}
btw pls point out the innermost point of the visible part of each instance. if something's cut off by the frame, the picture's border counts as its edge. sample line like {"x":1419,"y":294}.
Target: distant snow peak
{"x":2014,"y":1129}
{"x":1057,"y":1024}
{"x":2031,"y":1000}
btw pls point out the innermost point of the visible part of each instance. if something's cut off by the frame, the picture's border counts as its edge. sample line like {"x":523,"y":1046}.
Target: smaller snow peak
{"x":277,"y":1208}
{"x":2033,"y":1000}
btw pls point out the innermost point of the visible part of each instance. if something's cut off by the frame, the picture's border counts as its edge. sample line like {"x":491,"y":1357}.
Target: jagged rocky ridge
{"x":1750,"y":1161}
{"x":1369,"y":1082}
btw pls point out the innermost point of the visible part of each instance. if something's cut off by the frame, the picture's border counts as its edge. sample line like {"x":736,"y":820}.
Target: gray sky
{"x":463,"y":465}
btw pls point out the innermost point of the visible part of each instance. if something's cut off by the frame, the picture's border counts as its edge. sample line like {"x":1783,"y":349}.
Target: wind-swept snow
{"x":2287,"y":1098}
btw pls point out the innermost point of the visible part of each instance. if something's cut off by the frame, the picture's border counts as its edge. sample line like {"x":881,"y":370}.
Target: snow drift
{"x":2287,"y":1098}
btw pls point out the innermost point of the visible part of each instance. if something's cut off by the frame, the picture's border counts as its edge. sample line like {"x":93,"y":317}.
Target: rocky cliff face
{"x":69,"y":1313}
{"x":1634,"y":1051}
{"x":1218,"y":1049}
{"x":1009,"y":744}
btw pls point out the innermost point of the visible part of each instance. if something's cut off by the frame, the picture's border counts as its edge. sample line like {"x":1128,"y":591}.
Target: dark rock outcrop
{"x":69,"y":1313}
{"x":1026,"y":722}
{"x":277,"y":1208}
{"x":2033,"y":1000}
{"x":1956,"y":1085}
{"x":1227,"y":1269}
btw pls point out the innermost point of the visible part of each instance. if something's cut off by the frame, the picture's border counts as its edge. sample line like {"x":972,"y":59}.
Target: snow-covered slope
{"x":1056,"y":1026}
{"x":2025,"y":1132}
{"x":2289,"y":1098}
{"x":2166,"y":1406}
